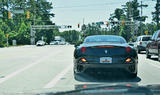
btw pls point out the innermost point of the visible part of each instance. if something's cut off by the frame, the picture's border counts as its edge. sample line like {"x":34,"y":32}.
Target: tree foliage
{"x":18,"y":27}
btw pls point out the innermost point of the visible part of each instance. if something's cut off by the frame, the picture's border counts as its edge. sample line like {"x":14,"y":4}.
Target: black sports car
{"x":105,"y":53}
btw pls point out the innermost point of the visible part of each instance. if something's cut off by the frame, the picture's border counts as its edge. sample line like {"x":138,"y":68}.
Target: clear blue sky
{"x":72,"y":12}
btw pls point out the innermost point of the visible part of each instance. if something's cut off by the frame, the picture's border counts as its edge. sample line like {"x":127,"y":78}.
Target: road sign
{"x":7,"y":35}
{"x":19,"y":11}
{"x":146,"y":32}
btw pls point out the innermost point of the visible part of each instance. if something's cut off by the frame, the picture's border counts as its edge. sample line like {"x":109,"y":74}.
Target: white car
{"x":142,"y":42}
{"x":40,"y":43}
{"x":62,"y":43}
{"x":53,"y":43}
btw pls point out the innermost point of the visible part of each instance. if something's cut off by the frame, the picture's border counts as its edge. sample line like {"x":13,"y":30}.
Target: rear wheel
{"x":133,"y":75}
{"x":159,"y":54}
{"x":76,"y":75}
{"x":147,"y":54}
{"x":139,"y":51}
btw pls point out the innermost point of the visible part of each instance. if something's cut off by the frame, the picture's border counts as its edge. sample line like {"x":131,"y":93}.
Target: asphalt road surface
{"x":31,"y":69}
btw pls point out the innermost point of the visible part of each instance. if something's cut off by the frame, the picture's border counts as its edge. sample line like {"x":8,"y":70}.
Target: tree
{"x":18,"y":27}
{"x":156,"y":14}
{"x":2,"y":38}
{"x":118,"y":13}
{"x":71,"y":36}
{"x":23,"y":35}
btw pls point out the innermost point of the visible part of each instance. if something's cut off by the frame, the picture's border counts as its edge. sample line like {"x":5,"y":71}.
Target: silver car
{"x":40,"y":43}
{"x":142,"y":42}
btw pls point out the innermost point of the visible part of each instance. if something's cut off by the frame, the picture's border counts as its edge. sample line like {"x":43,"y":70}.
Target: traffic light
{"x":9,"y":14}
{"x":69,"y":26}
{"x":122,"y":22}
{"x":78,"y":25}
{"x":115,"y":22}
{"x":28,"y":14}
{"x":107,"y":23}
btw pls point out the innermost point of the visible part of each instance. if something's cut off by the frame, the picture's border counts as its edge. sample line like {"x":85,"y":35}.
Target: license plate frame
{"x":106,"y":60}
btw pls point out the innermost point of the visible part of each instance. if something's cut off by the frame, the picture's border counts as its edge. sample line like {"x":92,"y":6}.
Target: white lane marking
{"x":22,"y":69}
{"x":57,"y":78}
{"x":155,"y":65}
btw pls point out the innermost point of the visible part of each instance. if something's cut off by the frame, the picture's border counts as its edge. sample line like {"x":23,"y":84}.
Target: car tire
{"x":147,"y":54}
{"x":133,"y":75}
{"x":159,"y":54}
{"x":139,"y":51}
{"x":76,"y":75}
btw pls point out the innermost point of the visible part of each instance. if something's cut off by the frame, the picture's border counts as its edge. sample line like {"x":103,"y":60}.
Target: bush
{"x":2,"y":39}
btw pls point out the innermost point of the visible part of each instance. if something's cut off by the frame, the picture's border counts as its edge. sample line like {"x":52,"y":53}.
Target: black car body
{"x":106,"y":53}
{"x":153,"y":47}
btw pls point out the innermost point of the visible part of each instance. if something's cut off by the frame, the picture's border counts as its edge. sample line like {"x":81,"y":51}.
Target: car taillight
{"x":140,"y":43}
{"x":128,"y":49}
{"x":83,"y":49}
{"x":128,"y":60}
{"x":83,"y":60}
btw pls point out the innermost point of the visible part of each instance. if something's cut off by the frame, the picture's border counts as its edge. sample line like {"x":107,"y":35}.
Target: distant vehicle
{"x":142,"y":42}
{"x":53,"y":43}
{"x":57,"y":38}
{"x":131,"y":43}
{"x":153,"y":47}
{"x":105,"y":53}
{"x":62,"y":42}
{"x":40,"y":43}
{"x":67,"y":43}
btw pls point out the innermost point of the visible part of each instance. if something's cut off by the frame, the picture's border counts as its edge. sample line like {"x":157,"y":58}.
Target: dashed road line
{"x":54,"y":81}
{"x":22,"y":69}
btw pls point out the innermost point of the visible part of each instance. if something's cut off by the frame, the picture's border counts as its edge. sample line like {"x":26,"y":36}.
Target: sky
{"x":72,"y":12}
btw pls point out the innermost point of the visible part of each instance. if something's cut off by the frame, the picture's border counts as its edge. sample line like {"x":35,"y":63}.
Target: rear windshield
{"x":146,"y":38}
{"x":112,"y":39}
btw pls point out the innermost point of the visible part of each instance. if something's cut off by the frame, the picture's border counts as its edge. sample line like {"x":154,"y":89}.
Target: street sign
{"x":146,"y":32}
{"x":20,"y":11}
{"x":7,"y":35}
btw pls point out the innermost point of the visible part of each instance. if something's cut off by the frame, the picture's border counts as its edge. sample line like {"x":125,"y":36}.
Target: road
{"x":31,"y":69}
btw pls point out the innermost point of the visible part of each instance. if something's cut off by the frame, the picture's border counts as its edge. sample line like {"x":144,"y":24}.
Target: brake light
{"x":83,"y":60}
{"x":140,"y":43}
{"x":128,"y":60}
{"x":128,"y":49}
{"x":83,"y":49}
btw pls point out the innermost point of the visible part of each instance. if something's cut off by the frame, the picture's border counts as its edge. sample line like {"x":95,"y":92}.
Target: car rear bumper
{"x":108,"y":68}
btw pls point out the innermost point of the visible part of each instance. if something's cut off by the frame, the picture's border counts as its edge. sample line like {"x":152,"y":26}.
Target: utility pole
{"x":157,"y":13}
{"x":131,"y":19}
{"x":83,"y":21}
{"x":33,"y":31}
{"x":141,"y":6}
{"x":141,"y":17}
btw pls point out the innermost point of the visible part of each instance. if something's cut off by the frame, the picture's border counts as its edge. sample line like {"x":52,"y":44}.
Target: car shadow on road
{"x":107,"y":78}
{"x":154,"y":59}
{"x":143,"y":52}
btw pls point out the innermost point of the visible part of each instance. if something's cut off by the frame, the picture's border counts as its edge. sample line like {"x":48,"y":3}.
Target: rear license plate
{"x":106,"y":60}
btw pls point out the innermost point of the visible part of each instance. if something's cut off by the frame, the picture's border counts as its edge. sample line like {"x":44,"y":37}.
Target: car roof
{"x":145,"y":36}
{"x":104,"y":36}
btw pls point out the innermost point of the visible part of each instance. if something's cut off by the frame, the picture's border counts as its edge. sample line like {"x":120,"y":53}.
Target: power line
{"x":89,"y":5}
